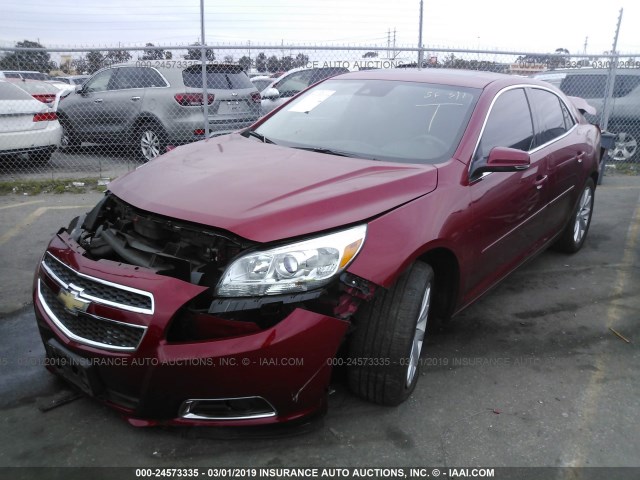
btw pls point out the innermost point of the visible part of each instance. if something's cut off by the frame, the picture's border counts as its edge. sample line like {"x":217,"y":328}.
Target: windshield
{"x":262,"y":84}
{"x":395,"y":121}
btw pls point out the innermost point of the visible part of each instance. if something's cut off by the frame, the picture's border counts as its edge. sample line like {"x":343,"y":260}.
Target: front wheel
{"x":575,"y":232}
{"x":384,"y":350}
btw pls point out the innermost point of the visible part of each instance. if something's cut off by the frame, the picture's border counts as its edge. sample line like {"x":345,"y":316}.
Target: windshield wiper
{"x":339,"y":153}
{"x":259,"y":136}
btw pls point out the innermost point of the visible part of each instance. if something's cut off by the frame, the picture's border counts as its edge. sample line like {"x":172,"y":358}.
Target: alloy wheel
{"x":149,"y":144}
{"x":583,"y":215}
{"x":418,"y":337}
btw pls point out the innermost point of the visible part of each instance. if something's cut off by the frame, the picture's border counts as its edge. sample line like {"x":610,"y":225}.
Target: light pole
{"x":203,"y":59}
{"x":420,"y":52}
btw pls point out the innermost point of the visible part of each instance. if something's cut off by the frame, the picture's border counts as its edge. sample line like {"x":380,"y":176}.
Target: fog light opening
{"x":241,"y":408}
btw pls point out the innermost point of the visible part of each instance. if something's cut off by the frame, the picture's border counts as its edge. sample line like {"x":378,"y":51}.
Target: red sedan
{"x":216,"y":284}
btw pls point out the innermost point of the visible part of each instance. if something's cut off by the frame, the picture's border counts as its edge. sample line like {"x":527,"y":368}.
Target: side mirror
{"x":271,"y":94}
{"x":503,"y":159}
{"x":80,"y":89}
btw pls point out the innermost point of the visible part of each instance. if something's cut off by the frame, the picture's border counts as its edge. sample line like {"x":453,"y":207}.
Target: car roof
{"x":172,"y":64}
{"x":33,"y":86}
{"x":459,"y":78}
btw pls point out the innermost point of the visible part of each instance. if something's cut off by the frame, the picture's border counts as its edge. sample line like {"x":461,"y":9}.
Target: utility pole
{"x":611,"y":77}
{"x":388,"y":40}
{"x":394,"y":42}
{"x":203,"y":59}
{"x":420,"y":52}
{"x":586,"y":41}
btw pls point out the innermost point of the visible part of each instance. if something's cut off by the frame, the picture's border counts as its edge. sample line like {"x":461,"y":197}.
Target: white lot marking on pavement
{"x":590,"y":411}
{"x":21,"y":204}
{"x":33,"y":216}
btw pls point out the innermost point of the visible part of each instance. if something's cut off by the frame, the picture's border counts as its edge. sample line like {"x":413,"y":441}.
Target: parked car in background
{"x":42,"y":91}
{"x":216,"y":284}
{"x":6,"y":74}
{"x":293,"y":82}
{"x":28,"y":124}
{"x":153,"y":104}
{"x":624,"y":121}
{"x":26,"y":74}
{"x":73,"y":79}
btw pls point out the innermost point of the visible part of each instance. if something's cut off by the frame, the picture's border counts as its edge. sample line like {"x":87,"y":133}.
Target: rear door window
{"x":551,"y":121}
{"x":137,"y":77}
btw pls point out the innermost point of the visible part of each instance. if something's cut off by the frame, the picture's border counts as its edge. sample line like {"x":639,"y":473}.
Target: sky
{"x":540,"y":26}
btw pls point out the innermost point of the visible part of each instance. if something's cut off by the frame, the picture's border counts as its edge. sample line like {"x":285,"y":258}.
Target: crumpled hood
{"x":265,"y":192}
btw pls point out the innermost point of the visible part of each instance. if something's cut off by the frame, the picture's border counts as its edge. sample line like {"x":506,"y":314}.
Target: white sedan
{"x":27,"y":125}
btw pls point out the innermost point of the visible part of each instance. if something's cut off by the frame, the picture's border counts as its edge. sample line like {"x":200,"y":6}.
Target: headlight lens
{"x":297,"y":267}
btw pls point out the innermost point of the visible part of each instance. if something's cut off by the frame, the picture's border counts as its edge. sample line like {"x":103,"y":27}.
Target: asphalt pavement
{"x":543,"y":371}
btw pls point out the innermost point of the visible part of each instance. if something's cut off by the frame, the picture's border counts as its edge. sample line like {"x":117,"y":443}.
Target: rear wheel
{"x":575,"y":232}
{"x":151,"y":142}
{"x":625,"y":147}
{"x":69,"y":142}
{"x":385,"y":348}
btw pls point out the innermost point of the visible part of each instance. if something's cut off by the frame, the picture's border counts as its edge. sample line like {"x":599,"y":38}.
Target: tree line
{"x":93,"y":61}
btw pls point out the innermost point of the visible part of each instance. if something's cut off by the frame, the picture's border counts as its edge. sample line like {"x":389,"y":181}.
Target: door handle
{"x":580,"y":156}
{"x":540,"y":181}
{"x":97,"y":100}
{"x":135,"y":99}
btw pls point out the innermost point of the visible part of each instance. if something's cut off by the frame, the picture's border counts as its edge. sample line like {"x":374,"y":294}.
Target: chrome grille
{"x":97,"y":290}
{"x":90,"y":329}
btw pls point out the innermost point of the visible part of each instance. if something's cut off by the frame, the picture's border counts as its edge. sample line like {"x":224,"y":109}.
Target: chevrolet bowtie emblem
{"x":70,"y":300}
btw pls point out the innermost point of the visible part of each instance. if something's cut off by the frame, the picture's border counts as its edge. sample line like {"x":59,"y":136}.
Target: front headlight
{"x":297,"y":267}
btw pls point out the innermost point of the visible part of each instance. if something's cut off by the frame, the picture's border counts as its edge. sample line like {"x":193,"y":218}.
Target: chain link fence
{"x":73,"y":113}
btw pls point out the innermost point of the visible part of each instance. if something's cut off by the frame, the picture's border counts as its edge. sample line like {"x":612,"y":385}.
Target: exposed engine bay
{"x":117,"y":231}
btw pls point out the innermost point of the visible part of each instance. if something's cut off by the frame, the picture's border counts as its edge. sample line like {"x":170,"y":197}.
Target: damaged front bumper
{"x":107,"y":328}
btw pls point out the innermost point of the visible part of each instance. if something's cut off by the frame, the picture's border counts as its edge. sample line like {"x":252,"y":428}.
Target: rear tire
{"x":385,"y":348}
{"x":575,"y":232}
{"x":69,"y":143}
{"x":151,"y":142}
{"x":625,"y":148}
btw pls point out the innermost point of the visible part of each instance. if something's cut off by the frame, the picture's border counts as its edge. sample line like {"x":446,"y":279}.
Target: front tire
{"x":575,"y":232}
{"x":385,"y":348}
